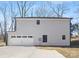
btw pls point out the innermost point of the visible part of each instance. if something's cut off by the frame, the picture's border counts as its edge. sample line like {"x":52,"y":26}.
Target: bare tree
{"x":13,"y":15}
{"x":1,"y":29}
{"x":58,"y":9}
{"x":4,"y":10}
{"x":32,"y":12}
{"x":1,"y":32}
{"x":23,"y":7}
{"x":42,"y":11}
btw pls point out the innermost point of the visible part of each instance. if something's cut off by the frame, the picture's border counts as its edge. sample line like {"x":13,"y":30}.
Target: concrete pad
{"x":15,"y":51}
{"x":46,"y":54}
{"x":27,"y":52}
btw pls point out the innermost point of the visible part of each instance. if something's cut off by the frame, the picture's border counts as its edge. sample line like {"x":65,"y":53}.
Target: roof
{"x":47,"y":17}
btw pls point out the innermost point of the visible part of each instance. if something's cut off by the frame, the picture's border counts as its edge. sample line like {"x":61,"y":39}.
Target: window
{"x":38,"y":22}
{"x":18,"y":36}
{"x":29,"y":36}
{"x":24,"y":36}
{"x":44,"y":38}
{"x":63,"y":37}
{"x":13,"y":36}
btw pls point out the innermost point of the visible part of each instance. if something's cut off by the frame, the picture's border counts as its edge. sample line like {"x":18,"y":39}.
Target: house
{"x":49,"y":31}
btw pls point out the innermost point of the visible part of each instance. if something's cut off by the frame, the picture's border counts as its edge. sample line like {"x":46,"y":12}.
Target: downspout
{"x":6,"y":38}
{"x":70,"y":31}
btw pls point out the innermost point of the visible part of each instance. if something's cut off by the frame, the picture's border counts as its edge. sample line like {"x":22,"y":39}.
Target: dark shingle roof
{"x":47,"y":17}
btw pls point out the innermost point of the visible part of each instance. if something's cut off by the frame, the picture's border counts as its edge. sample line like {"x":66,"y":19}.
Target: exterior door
{"x":44,"y":38}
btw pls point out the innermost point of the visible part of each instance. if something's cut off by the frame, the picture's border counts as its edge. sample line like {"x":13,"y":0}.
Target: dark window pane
{"x":18,"y":36}
{"x":44,"y":38}
{"x":38,"y":22}
{"x":24,"y":36}
{"x":13,"y":36}
{"x":63,"y":37}
{"x":29,"y":36}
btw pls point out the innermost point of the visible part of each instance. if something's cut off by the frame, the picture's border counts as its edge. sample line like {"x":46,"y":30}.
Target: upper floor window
{"x":38,"y":22}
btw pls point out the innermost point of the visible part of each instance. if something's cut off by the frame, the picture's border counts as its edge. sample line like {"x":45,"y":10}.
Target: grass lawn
{"x":69,"y":52}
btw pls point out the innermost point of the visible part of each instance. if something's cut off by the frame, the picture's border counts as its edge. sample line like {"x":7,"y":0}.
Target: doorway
{"x":44,"y":38}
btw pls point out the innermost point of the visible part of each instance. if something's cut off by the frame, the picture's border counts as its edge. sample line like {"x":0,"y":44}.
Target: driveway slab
{"x":27,"y":52}
{"x":40,"y":53}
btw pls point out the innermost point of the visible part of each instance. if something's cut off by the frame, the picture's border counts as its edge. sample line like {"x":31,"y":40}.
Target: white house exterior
{"x":49,"y":31}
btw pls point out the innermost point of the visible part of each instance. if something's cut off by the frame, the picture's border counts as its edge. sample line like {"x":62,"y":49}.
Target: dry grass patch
{"x":68,"y":52}
{"x":2,"y":43}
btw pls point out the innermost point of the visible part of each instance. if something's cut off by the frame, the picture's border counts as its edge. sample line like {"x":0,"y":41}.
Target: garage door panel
{"x":14,"y":41}
{"x":21,"y":41}
{"x":28,"y":41}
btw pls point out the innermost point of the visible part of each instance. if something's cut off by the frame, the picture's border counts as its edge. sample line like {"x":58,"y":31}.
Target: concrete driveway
{"x":27,"y":52}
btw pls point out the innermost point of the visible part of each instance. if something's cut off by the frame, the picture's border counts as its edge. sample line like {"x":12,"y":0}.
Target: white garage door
{"x":21,"y":40}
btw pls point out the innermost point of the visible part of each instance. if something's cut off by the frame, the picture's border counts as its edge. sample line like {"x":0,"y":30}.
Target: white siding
{"x":54,"y":28}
